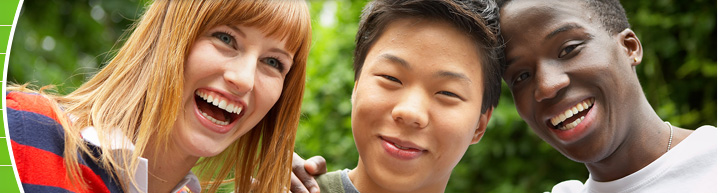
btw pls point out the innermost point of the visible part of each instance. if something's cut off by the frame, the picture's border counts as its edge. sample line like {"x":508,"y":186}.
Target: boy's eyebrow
{"x":510,"y":60}
{"x":397,"y":60}
{"x":452,"y":75}
{"x":564,"y":28}
{"x":444,"y":74}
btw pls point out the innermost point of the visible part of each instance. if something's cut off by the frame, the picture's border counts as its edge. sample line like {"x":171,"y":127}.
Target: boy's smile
{"x":569,"y":77}
{"x":570,"y":118}
{"x":572,"y":124}
{"x":403,"y":150}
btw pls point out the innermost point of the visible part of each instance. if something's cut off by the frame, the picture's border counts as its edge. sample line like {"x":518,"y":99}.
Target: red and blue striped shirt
{"x":37,"y":141}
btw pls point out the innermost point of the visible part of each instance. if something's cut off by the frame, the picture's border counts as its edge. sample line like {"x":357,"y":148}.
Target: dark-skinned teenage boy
{"x":570,"y":66}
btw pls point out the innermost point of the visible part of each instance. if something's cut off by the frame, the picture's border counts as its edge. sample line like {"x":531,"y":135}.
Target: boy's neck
{"x":647,"y":140}
{"x":366,"y":184}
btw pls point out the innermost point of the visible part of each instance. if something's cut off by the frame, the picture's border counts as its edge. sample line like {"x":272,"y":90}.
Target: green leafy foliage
{"x":63,"y":42}
{"x":678,"y":72}
{"x":325,"y":125}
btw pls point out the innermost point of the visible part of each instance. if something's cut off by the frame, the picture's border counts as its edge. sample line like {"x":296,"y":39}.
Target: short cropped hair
{"x":609,"y":12}
{"x":479,"y":19}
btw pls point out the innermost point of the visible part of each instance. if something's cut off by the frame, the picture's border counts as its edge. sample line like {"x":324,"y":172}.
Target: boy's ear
{"x":481,"y":126}
{"x":632,"y":46}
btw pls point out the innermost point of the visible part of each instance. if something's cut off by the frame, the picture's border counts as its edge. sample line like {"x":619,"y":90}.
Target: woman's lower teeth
{"x":211,"y":119}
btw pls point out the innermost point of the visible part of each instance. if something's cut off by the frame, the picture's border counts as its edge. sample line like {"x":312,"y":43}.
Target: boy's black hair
{"x":477,"y":18}
{"x":610,"y":13}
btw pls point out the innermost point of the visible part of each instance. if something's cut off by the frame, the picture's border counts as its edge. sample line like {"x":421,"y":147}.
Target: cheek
{"x":523,"y":102}
{"x":460,"y":131}
{"x":267,"y":91}
{"x":201,"y":59}
{"x":369,"y":98}
{"x":369,"y":108}
{"x":200,"y":68}
{"x":454,"y":138}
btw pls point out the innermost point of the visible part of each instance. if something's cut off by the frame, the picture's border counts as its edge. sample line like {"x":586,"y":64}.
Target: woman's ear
{"x":481,"y":126}
{"x":632,"y":46}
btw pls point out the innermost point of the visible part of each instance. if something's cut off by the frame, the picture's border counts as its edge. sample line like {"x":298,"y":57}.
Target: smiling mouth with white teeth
{"x":572,"y":116}
{"x":216,"y":108}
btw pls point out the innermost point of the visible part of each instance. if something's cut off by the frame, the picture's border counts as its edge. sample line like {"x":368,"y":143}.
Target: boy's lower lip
{"x":575,"y":134}
{"x":403,"y":154}
{"x":221,"y":129}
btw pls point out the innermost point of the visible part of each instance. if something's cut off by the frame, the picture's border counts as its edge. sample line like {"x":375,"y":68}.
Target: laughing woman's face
{"x":233,"y":76}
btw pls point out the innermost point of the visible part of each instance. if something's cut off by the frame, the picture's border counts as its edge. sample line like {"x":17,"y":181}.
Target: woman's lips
{"x":222,"y":129}
{"x":214,"y":125}
{"x":400,"y":149}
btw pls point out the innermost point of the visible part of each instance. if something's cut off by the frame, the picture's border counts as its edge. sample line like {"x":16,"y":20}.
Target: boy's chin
{"x":402,"y":182}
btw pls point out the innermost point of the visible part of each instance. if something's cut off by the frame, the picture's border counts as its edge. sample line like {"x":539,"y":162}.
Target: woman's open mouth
{"x":216,"y":108}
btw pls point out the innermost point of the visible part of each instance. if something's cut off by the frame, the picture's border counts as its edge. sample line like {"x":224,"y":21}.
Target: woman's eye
{"x":391,"y":78}
{"x":225,"y":38}
{"x":274,"y":62}
{"x":567,"y":50}
{"x":521,"y":77}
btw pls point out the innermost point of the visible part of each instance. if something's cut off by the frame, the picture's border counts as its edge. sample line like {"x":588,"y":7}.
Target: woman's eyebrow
{"x":282,"y":51}
{"x":236,"y":29}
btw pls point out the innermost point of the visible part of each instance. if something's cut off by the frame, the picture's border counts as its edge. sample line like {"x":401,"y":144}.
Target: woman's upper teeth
{"x":580,"y":107}
{"x":220,"y":102}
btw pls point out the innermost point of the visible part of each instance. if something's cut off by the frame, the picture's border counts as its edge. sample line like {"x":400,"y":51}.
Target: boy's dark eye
{"x":521,"y":77}
{"x":450,"y":94}
{"x":391,"y":78}
{"x":225,"y":38}
{"x":273,"y":62}
{"x":567,"y":50}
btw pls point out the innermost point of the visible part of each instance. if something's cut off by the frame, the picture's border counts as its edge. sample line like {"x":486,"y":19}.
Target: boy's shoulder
{"x":330,"y":182}
{"x":335,"y":182}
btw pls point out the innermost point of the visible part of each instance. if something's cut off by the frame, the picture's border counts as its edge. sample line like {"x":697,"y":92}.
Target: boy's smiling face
{"x":572,"y":81}
{"x":416,"y":107}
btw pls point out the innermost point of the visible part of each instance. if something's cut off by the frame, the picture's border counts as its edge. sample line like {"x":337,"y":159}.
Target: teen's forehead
{"x":543,"y":11}
{"x":539,"y":18}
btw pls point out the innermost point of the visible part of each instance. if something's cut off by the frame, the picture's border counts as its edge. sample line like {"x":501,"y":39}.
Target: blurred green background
{"x":63,"y":42}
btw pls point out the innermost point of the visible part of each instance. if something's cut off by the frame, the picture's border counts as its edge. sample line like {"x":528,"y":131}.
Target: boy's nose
{"x":411,"y":110}
{"x":550,"y":80}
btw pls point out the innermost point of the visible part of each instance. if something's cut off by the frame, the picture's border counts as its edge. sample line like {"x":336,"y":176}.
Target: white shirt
{"x":141,"y":173}
{"x":690,"y":166}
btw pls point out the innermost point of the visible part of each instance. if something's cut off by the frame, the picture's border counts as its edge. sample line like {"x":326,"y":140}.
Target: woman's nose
{"x":240,"y":75}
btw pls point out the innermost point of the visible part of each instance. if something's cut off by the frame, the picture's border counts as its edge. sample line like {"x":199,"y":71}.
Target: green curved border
{"x":8,"y":11}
